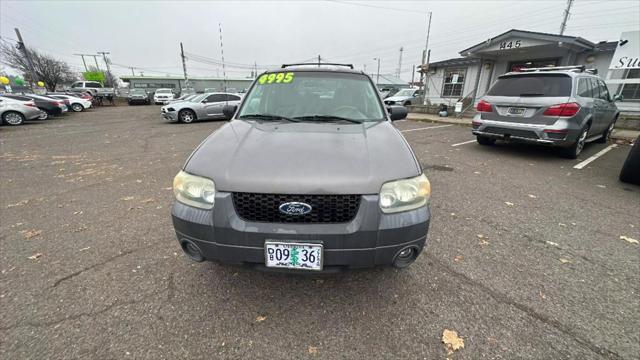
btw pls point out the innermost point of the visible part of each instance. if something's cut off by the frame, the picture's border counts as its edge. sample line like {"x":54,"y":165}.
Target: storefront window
{"x":631,"y":91}
{"x":453,"y":82}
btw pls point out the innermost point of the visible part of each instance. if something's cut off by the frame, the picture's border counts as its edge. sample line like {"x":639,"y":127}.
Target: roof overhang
{"x":519,"y":40}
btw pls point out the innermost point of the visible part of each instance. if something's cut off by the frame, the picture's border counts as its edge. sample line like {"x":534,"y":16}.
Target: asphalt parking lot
{"x":524,"y":257}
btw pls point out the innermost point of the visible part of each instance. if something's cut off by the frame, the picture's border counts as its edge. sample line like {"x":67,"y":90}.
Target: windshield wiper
{"x":327,"y":117}
{"x":267,"y":117}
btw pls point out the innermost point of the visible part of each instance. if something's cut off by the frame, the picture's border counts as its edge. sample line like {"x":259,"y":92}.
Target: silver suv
{"x":310,"y":174}
{"x":564,"y":107}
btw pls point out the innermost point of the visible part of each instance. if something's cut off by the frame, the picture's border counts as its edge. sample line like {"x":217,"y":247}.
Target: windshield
{"x":549,"y":85}
{"x":137,"y":92}
{"x":405,"y":92}
{"x":198,"y":98}
{"x":163,"y":91}
{"x":308,"y":94}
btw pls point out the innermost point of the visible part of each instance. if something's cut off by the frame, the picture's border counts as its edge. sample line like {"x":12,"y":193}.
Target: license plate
{"x":290,"y":255}
{"x":516,"y":111}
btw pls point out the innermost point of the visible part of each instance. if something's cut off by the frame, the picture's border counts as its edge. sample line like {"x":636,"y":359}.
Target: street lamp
{"x":378,"y":73}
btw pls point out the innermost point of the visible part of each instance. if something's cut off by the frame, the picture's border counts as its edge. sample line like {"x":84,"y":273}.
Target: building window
{"x":453,"y":82}
{"x":631,"y":91}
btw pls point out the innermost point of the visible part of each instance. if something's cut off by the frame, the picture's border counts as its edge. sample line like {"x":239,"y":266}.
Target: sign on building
{"x":627,"y":55}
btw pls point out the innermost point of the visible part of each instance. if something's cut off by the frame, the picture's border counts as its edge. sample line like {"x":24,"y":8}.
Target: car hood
{"x":398,"y":98}
{"x":303,"y":158}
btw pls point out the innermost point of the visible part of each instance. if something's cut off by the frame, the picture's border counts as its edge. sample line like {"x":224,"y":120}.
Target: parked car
{"x":200,"y":107}
{"x":563,"y":107}
{"x":138,"y":96}
{"x":92,"y":87}
{"x":162,"y":96}
{"x":49,"y":106}
{"x":630,"y":172}
{"x":14,"y":112}
{"x":77,"y":104}
{"x":405,"y":97}
{"x":298,"y":181}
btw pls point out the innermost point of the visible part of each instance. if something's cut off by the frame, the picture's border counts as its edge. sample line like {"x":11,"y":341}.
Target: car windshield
{"x":163,"y":91}
{"x":549,"y":85}
{"x":198,"y":98}
{"x":313,"y":95}
{"x":405,"y":92}
{"x":137,"y":92}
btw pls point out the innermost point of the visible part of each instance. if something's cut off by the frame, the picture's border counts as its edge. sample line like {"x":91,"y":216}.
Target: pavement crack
{"x":74,"y":274}
{"x":89,"y":314}
{"x":502,"y":298}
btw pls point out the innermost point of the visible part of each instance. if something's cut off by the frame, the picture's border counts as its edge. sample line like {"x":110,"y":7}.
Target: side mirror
{"x":397,"y":112}
{"x":618,"y":97}
{"x":229,"y":111}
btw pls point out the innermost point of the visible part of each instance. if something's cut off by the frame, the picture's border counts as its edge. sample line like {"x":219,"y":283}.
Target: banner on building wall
{"x":627,"y":55}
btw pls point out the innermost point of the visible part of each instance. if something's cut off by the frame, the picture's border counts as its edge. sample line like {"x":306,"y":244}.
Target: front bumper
{"x":138,"y":100}
{"x":372,"y":238}
{"x":170,"y":115}
{"x":562,"y":133}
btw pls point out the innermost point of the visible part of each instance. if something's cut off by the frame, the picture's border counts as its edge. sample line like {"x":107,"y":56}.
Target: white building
{"x":470,"y":76}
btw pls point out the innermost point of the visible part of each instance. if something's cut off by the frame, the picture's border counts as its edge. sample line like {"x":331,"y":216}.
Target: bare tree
{"x":48,"y":69}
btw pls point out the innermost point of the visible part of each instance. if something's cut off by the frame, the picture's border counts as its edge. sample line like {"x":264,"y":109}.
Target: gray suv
{"x":310,"y":174}
{"x":564,"y":107}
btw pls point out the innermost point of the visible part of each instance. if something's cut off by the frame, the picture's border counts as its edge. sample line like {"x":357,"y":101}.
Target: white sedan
{"x":77,"y":104}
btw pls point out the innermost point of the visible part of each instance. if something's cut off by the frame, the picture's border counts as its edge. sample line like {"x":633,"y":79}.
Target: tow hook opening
{"x":191,"y":250}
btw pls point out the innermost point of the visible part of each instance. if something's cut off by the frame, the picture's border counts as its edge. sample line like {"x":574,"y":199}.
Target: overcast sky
{"x":146,"y":34}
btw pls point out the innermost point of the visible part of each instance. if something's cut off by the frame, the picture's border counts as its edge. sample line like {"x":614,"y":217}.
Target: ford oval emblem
{"x":295,"y":208}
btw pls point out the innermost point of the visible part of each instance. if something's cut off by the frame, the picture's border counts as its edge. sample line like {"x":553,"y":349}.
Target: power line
{"x":377,"y":7}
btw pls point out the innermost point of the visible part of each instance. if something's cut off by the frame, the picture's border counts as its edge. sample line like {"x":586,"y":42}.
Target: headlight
{"x":194,"y":190}
{"x":405,"y":194}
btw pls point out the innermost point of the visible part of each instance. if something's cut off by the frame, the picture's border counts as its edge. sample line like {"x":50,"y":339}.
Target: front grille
{"x":324,"y":208}
{"x":513,"y":132}
{"x":389,"y":102}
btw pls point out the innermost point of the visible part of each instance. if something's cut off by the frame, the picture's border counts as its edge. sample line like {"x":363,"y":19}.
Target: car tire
{"x":606,"y":134}
{"x":484,"y":140}
{"x":630,"y":172}
{"x":573,"y":151}
{"x":186,"y":116}
{"x":43,"y":115}
{"x":77,"y":107}
{"x":12,"y":118}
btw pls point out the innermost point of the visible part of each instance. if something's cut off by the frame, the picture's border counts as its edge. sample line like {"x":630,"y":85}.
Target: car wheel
{"x":606,"y":134}
{"x":13,"y":118}
{"x":43,"y":115}
{"x":484,"y":140}
{"x":77,"y":107}
{"x":186,"y":116}
{"x":630,"y":172}
{"x":574,"y":150}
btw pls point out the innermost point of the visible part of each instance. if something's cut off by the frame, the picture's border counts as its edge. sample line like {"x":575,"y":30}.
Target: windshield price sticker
{"x":276,"y":78}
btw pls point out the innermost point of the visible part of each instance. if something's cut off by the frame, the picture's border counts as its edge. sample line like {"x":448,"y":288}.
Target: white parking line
{"x":591,"y":159}
{"x":462,"y":143}
{"x":425,"y":128}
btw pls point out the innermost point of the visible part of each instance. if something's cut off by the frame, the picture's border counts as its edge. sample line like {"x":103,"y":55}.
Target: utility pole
{"x":255,"y":67}
{"x":400,"y":63}
{"x":184,"y":66}
{"x":566,"y":17}
{"x":25,"y":51}
{"x":106,"y":62}
{"x":224,"y":73}
{"x":132,"y":73}
{"x":425,"y":62}
{"x":319,"y":58}
{"x":84,"y":62}
{"x":413,"y":74}
{"x":378,"y":73}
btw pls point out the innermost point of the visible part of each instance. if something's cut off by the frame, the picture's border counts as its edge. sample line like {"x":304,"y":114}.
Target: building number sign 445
{"x":510,"y":44}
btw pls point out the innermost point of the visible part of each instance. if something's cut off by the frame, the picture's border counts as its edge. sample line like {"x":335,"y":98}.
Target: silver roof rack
{"x":573,"y":68}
